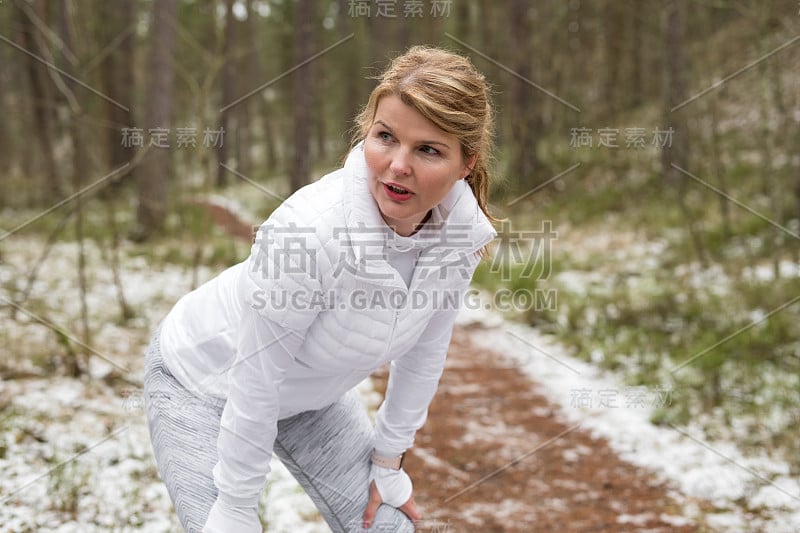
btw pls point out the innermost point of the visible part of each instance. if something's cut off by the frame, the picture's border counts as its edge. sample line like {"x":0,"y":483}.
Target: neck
{"x":412,"y":231}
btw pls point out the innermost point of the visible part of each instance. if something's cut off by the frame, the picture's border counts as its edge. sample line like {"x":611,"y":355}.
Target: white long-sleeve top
{"x":230,"y":339}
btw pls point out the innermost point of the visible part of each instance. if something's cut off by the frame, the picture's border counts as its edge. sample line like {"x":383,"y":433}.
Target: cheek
{"x":442,"y":183}
{"x":373,"y":158}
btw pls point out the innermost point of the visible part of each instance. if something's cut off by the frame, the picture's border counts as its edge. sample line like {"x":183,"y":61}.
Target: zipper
{"x":395,"y":318}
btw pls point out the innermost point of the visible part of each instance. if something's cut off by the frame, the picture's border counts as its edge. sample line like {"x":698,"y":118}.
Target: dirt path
{"x":493,"y":456}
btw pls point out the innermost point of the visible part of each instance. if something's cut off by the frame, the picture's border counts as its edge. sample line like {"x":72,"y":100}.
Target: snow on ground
{"x":97,"y":433}
{"x":748,"y":493}
{"x":47,"y":421}
{"x":763,"y":273}
{"x":114,"y":485}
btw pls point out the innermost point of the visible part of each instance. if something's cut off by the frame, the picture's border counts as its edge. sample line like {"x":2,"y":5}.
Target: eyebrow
{"x":385,"y":125}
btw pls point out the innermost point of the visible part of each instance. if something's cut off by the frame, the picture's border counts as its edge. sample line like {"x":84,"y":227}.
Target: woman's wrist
{"x":386,"y":460}
{"x":394,"y":486}
{"x":236,"y":501}
{"x":223,"y":518}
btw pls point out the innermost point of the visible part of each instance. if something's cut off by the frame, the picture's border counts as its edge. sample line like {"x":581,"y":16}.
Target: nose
{"x":400,"y":165}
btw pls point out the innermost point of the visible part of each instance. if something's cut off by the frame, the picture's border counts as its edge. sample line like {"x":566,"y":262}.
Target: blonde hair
{"x":448,"y":90}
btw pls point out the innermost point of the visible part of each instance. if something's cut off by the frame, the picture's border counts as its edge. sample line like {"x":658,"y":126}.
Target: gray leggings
{"x":327,"y":451}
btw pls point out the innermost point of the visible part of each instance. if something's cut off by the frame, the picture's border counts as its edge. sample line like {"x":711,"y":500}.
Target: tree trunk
{"x":250,"y":107}
{"x":636,"y":19}
{"x":260,"y":105}
{"x":118,"y":84}
{"x":775,"y":178}
{"x":674,"y":93}
{"x":794,"y":145}
{"x":117,"y":75}
{"x":463,"y":21}
{"x":613,"y":39}
{"x":302,"y":95}
{"x":318,"y":123}
{"x":351,"y":60}
{"x":718,"y":167}
{"x":228,"y":87}
{"x":154,"y":171}
{"x":488,"y":36}
{"x":41,"y":95}
{"x":10,"y":157}
{"x":525,"y":102}
{"x":382,"y":39}
{"x":80,"y":167}
{"x":797,"y":195}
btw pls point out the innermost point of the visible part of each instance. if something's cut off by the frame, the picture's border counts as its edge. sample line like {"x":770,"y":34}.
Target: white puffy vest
{"x":318,"y":264}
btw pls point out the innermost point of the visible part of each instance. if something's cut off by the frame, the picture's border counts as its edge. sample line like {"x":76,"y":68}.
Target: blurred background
{"x":648,"y":178}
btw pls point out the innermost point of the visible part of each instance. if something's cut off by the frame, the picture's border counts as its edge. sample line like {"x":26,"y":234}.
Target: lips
{"x":396,"y":192}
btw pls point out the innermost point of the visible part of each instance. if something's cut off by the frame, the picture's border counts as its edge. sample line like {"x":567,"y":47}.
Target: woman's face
{"x":412,"y":164}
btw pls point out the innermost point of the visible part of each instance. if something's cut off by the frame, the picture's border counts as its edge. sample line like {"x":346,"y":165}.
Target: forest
{"x":644,"y":283}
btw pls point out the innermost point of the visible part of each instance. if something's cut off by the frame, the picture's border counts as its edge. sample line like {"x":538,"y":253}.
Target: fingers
{"x":409,"y":508}
{"x":372,"y":505}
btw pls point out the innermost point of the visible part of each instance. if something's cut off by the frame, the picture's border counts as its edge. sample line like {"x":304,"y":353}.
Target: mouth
{"x":396,"y":192}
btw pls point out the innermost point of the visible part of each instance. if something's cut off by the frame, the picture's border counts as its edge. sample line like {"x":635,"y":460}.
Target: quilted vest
{"x":318,"y":265}
{"x":318,"y":262}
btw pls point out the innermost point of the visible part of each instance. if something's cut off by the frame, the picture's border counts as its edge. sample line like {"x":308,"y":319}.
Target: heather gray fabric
{"x":327,"y":451}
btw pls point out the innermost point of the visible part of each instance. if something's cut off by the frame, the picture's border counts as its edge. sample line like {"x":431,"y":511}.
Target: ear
{"x":469,"y":166}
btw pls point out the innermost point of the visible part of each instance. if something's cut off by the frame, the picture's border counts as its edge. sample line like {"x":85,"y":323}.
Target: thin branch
{"x":45,"y":31}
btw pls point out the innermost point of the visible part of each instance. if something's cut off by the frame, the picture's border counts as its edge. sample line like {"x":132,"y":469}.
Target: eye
{"x":429,"y":150}
{"x":385,"y":136}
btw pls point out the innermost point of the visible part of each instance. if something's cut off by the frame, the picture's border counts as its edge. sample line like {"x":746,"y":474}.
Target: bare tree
{"x":249,"y":109}
{"x":228,"y":87}
{"x":117,"y":78}
{"x":797,"y":186}
{"x":42,"y":99}
{"x":256,"y":72}
{"x":635,"y":19}
{"x":463,"y":22}
{"x":80,"y":167}
{"x":716,"y":163}
{"x":302,"y":94}
{"x":349,"y":68}
{"x":613,"y":38}
{"x":776,"y":178}
{"x":154,"y":171}
{"x":524,"y":121}
{"x":117,"y":34}
{"x":676,"y":153}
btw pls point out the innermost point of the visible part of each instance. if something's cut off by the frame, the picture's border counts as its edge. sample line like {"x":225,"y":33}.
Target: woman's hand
{"x":224,"y":518}
{"x":392,"y":487}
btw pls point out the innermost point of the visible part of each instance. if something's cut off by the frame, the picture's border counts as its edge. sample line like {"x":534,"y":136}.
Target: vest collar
{"x":456,"y":225}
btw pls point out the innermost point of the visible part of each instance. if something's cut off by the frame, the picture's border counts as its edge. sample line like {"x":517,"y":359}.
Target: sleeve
{"x":275,"y":290}
{"x":413,"y":380}
{"x":249,"y":420}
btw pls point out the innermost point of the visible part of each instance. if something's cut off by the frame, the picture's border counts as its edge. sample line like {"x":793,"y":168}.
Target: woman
{"x":365,"y":266}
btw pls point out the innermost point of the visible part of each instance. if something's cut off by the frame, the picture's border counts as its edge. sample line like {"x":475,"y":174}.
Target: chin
{"x":390,"y":212}
{"x":393,"y":213}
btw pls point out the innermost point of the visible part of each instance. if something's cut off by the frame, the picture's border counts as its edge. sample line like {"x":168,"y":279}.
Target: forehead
{"x":406,"y":120}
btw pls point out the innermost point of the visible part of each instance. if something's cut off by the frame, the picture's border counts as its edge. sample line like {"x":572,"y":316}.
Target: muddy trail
{"x":494,"y":456}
